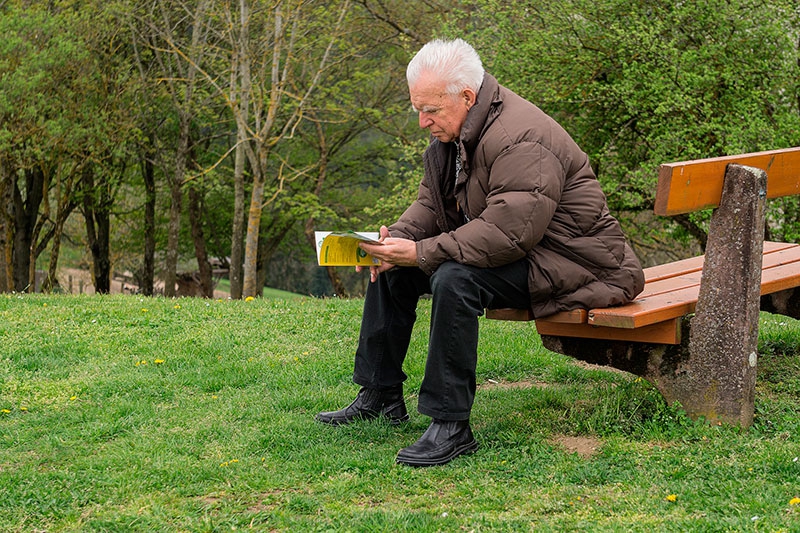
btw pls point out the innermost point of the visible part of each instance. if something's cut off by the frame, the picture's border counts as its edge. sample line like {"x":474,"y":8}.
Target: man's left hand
{"x":391,"y":252}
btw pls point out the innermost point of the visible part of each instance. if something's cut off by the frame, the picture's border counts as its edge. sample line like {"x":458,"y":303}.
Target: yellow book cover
{"x":340,"y":248}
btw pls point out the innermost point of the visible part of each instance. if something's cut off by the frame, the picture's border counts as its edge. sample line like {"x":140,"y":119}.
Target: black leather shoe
{"x":443,"y":441}
{"x":369,"y":404}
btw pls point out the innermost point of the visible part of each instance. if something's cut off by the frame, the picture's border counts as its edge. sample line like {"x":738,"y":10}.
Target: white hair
{"x":454,"y":62}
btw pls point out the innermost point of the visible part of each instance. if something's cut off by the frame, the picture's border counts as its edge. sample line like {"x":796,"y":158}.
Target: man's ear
{"x":469,"y":97}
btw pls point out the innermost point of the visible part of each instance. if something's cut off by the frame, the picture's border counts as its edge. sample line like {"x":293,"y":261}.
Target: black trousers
{"x":460,"y":293}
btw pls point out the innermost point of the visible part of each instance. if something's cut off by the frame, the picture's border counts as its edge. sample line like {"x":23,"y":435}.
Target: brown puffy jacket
{"x":525,"y":189}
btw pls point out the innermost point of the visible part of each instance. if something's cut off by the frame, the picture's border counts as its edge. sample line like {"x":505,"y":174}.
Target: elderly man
{"x":509,"y":214}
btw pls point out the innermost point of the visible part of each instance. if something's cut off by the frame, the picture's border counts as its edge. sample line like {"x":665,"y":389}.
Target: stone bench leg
{"x":713,"y":372}
{"x":723,"y":341}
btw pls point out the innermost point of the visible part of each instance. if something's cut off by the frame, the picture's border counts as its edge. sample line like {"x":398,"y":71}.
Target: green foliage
{"x":40,"y":66}
{"x":152,"y":414}
{"x":643,"y":83}
{"x":636,"y":83}
{"x":405,"y":174}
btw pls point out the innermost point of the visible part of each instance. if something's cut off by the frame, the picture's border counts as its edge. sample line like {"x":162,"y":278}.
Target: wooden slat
{"x":508,"y":313}
{"x":780,"y":278}
{"x":689,"y":186}
{"x":666,"y":285}
{"x":660,"y":324}
{"x":667,"y":332}
{"x":675,"y":268}
{"x":576,"y":316}
{"x":773,"y":246}
{"x":645,"y":311}
{"x":671,"y":292}
{"x":693,"y":264}
{"x":780,"y":270}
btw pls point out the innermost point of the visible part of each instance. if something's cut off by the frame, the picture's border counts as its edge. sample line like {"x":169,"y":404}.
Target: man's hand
{"x":391,"y":253}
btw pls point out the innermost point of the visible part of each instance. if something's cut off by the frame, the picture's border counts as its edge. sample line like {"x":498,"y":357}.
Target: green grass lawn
{"x":123,"y":413}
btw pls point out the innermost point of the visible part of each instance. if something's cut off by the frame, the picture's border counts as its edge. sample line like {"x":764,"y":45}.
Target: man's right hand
{"x":376,"y":251}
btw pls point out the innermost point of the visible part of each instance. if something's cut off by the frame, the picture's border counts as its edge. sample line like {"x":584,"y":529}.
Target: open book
{"x":340,"y":248}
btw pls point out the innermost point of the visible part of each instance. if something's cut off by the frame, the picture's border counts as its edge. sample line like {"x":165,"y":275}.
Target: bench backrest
{"x":690,"y":186}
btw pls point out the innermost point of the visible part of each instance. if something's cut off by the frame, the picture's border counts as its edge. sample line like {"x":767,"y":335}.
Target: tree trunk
{"x":148,"y":263}
{"x":65,"y":209}
{"x":203,"y":266}
{"x":101,"y":252}
{"x":240,"y":73}
{"x":250,"y":285}
{"x":237,"y":233}
{"x":266,"y":131}
{"x":339,"y":287}
{"x":26,"y":212}
{"x":176,"y":185}
{"x":65,"y":205}
{"x":96,"y":213}
{"x":6,"y":227}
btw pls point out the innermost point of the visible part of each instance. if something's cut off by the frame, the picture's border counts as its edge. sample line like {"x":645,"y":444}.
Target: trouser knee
{"x":456,"y":284}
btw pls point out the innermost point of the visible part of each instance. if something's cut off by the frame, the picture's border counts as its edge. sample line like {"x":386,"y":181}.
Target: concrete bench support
{"x":724,"y":338}
{"x":712,"y":372}
{"x":693,"y":331}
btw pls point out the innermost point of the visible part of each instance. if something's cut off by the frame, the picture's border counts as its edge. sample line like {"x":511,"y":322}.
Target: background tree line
{"x":164,"y":135}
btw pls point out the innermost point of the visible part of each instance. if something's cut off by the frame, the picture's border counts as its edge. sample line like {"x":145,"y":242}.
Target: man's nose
{"x":425,"y":121}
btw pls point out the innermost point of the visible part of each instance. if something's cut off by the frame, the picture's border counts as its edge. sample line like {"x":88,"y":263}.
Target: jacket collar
{"x":481,"y":115}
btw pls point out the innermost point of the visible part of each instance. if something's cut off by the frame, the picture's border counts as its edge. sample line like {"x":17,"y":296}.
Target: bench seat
{"x":693,"y":332}
{"x":671,"y":292}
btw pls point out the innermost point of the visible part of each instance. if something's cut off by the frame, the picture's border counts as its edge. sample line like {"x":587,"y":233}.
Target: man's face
{"x":440,"y":113}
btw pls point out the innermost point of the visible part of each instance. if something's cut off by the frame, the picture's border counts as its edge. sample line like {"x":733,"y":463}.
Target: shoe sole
{"x":345,"y":421}
{"x":464,"y":449}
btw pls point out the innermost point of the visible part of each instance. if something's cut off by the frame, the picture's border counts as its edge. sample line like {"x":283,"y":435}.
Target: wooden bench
{"x":693,"y":331}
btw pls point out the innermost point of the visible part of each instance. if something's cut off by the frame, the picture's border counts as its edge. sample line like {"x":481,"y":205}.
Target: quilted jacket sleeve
{"x":510,"y":201}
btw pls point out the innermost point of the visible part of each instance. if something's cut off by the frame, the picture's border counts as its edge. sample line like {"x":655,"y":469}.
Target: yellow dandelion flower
{"x":794,"y":501}
{"x":671,"y":498}
{"x":177,"y":306}
{"x":158,"y":361}
{"x":249,"y":299}
{"x":73,"y":398}
{"x":45,"y":305}
{"x":144,"y":310}
{"x":5,"y":411}
{"x":23,"y":408}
